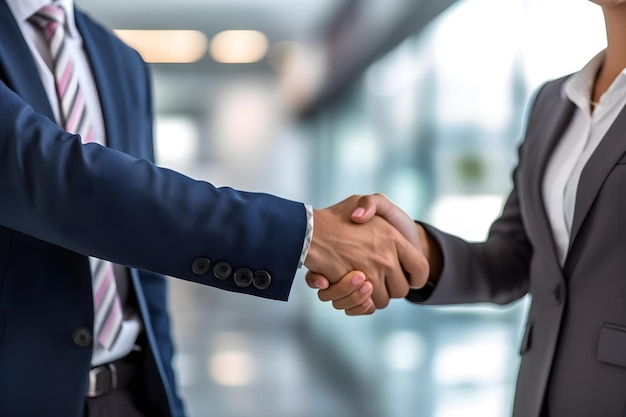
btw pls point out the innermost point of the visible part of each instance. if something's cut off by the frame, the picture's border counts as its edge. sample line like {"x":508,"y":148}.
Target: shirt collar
{"x":578,"y":87}
{"x":23,"y":9}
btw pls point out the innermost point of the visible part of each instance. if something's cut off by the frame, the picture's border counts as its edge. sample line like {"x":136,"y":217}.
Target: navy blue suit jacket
{"x":62,"y":201}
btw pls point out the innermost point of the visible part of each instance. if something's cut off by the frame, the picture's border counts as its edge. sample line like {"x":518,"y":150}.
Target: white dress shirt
{"x":579,"y":141}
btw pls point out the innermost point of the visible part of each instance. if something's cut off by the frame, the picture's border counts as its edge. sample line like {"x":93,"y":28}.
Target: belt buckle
{"x":99,"y":385}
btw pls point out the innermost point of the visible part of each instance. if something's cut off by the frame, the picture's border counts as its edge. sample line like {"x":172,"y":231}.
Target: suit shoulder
{"x":547,"y":94}
{"x":90,"y":27}
{"x":554,"y":86}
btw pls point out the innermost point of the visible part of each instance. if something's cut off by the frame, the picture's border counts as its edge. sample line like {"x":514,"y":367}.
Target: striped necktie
{"x":75,"y":119}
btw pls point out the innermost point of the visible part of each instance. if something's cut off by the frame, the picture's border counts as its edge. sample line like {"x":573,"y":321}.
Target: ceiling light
{"x":166,"y":46}
{"x":239,"y":46}
{"x":232,"y":368}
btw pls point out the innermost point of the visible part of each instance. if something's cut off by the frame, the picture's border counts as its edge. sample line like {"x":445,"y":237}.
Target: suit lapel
{"x":556,"y":113}
{"x":602,"y":161}
{"x":102,"y":59}
{"x":17,"y":66}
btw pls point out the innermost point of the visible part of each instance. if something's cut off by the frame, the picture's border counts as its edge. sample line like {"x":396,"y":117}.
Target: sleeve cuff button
{"x":243,"y":277}
{"x":262,"y":280}
{"x":201,"y":266}
{"x":222,"y":270}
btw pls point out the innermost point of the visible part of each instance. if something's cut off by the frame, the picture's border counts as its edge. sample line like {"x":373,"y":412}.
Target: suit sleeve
{"x":496,"y":270}
{"x":493,"y":271}
{"x":100,"y":202}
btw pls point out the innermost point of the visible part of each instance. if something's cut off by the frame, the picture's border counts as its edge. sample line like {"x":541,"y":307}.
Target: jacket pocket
{"x":612,"y":345}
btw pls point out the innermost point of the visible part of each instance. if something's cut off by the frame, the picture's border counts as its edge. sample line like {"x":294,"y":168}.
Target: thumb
{"x":370,"y":205}
{"x":377,"y":204}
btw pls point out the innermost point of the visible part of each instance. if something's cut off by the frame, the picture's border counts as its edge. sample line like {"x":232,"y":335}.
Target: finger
{"x":342,"y":288}
{"x":366,"y":308}
{"x":414,"y":263}
{"x":367,"y":207}
{"x":316,"y":281}
{"x":397,"y":283}
{"x":356,"y":298}
{"x":380,"y":205}
{"x":380,"y":295}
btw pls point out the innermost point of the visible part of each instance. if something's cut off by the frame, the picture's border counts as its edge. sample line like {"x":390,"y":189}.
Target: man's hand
{"x":352,"y":293}
{"x":375,"y":247}
{"x":430,"y":252}
{"x":346,"y":289}
{"x":379,"y":205}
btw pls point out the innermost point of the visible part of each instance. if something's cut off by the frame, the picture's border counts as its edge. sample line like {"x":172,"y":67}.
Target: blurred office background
{"x":423,"y":100}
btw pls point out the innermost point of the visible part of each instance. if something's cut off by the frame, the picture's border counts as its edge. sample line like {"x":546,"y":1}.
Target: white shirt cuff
{"x":308,"y":236}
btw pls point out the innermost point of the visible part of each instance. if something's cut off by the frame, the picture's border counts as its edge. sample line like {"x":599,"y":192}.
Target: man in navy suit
{"x":62,"y":202}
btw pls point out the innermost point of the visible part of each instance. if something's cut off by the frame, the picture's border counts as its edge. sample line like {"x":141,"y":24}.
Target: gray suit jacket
{"x":574,"y":348}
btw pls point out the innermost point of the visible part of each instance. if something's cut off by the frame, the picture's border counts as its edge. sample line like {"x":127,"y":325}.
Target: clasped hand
{"x":364,"y":251}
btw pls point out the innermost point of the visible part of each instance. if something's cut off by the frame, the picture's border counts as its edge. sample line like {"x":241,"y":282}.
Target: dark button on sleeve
{"x":222,"y":270}
{"x":262,"y":279}
{"x":201,"y":266}
{"x":82,"y":337}
{"x":243,"y":277}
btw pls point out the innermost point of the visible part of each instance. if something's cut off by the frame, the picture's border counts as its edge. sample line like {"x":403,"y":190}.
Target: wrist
{"x":312,"y":258}
{"x":308,"y":235}
{"x":432,"y":253}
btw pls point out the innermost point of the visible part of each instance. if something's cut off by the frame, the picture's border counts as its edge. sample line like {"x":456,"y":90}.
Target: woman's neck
{"x":615,"y":59}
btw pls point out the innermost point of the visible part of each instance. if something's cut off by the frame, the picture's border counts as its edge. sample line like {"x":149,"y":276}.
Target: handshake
{"x":365,"y":250}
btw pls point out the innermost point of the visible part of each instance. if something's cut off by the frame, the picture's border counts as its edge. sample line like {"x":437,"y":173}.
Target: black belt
{"x":111,"y":376}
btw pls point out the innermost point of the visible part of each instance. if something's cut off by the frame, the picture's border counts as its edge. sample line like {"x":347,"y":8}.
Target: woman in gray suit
{"x":561,"y":238}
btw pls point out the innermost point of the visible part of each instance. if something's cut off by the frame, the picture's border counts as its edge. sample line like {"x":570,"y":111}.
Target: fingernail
{"x":365,"y":288}
{"x":359,"y":212}
{"x":318,"y":283}
{"x":358,"y":279}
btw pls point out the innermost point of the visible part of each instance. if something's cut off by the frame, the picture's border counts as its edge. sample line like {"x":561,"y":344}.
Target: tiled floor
{"x":241,"y":356}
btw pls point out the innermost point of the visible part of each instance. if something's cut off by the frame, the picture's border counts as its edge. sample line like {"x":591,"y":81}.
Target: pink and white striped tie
{"x":75,"y":119}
